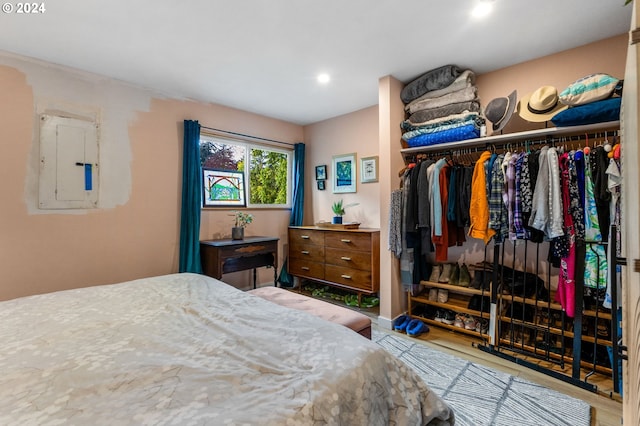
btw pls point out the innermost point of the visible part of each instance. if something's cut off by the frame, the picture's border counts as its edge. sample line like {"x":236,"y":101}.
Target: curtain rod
{"x":246,"y":136}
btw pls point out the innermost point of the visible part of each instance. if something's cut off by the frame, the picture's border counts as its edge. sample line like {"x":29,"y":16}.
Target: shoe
{"x":459,"y":321}
{"x":443,"y":295}
{"x":401,"y":323}
{"x":470,"y":323}
{"x":465,"y":277}
{"x":439,"y":315}
{"x":449,"y":317}
{"x":416,"y":328}
{"x":455,"y":274}
{"x":482,"y":326}
{"x":433,"y":294}
{"x":446,"y":272}
{"x":435,"y":273}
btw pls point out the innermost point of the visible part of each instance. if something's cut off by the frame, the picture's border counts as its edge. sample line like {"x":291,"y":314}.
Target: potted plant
{"x":338,"y":211}
{"x":241,"y":221}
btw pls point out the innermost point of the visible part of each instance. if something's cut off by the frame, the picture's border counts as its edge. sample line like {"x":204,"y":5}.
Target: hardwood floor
{"x":606,"y":411}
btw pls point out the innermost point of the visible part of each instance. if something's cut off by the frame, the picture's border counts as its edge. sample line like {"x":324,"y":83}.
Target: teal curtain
{"x":297,"y":202}
{"x":191,"y":200}
{"x":297,"y":206}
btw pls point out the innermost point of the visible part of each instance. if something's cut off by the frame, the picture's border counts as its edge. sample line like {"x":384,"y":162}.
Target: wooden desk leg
{"x":254,"y":278}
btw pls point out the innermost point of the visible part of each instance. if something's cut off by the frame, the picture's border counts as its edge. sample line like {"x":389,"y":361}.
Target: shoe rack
{"x":444,"y":293}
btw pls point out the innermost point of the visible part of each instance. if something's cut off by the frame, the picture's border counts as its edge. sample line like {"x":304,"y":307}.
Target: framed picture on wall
{"x":369,"y":169}
{"x":321,"y":172}
{"x":223,"y":188}
{"x":321,"y":185}
{"x":344,"y":173}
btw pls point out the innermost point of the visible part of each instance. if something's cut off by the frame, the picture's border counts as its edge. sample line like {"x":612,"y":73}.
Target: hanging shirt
{"x":479,"y":206}
{"x":595,"y":273}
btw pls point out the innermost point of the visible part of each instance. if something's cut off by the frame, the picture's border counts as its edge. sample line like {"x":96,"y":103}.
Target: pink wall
{"x":137,"y":234}
{"x":351,"y":133}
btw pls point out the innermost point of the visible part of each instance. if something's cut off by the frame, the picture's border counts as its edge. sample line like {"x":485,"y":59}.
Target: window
{"x":267,"y":177}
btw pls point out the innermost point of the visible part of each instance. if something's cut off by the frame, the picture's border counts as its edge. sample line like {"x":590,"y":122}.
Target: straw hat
{"x":540,"y":105}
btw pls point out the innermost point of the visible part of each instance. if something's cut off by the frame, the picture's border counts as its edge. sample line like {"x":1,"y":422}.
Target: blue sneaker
{"x":401,"y":323}
{"x":416,"y":328}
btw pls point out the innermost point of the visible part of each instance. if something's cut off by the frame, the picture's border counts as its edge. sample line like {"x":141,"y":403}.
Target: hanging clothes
{"x":595,"y":274}
{"x":478,"y":205}
{"x":395,"y":223}
{"x":565,"y":295}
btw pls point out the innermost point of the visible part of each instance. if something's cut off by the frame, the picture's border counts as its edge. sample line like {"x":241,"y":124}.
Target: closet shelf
{"x":454,"y":304}
{"x":551,"y":305}
{"x":554,"y":330}
{"x":568,"y":359}
{"x":518,"y":136}
{"x":454,"y":288}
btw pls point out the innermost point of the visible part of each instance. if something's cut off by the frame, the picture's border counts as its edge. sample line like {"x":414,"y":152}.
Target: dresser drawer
{"x":307,"y":252}
{"x":305,"y":268}
{"x":348,"y":258}
{"x":349,"y":240}
{"x":348,"y":277}
{"x":305,"y":236}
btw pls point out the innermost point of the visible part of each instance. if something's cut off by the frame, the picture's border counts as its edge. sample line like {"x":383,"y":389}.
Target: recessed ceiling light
{"x":323,"y":78}
{"x":482,"y":9}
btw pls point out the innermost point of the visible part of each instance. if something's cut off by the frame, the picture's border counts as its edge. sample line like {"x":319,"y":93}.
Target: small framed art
{"x":369,"y":169}
{"x":321,"y":185}
{"x":321,"y":172}
{"x":223,"y":188}
{"x":344,"y":173}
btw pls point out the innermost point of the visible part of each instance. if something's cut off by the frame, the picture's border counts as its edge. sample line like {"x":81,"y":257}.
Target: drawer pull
{"x":344,"y":240}
{"x":345,"y":258}
{"x":304,"y":252}
{"x":346,"y":277}
{"x":305,"y":268}
{"x":304,"y":237}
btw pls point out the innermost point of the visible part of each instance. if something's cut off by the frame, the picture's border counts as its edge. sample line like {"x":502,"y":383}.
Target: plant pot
{"x":237,"y":233}
{"x":336,"y":220}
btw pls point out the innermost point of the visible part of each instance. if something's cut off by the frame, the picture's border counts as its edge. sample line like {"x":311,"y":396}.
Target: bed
{"x":187,"y":349}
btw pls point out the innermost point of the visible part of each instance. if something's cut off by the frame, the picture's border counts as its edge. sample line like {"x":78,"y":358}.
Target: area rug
{"x":480,"y":395}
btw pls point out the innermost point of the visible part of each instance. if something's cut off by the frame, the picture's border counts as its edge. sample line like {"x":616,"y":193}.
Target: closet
{"x":510,"y":303}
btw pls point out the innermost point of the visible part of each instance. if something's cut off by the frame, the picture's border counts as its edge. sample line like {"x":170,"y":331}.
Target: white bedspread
{"x":186,"y":349}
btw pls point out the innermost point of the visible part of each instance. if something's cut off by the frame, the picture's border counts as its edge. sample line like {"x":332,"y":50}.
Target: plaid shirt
{"x":497,"y":208}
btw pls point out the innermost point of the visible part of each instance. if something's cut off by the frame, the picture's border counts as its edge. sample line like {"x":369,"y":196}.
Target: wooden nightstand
{"x":224,"y":256}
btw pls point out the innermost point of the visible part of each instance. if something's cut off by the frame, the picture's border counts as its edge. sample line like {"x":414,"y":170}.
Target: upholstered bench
{"x":356,"y":321}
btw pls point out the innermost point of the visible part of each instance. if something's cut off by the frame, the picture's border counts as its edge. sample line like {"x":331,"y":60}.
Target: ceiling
{"x":263,"y":56}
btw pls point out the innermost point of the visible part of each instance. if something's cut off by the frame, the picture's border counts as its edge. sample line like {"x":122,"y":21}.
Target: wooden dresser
{"x":346,"y":258}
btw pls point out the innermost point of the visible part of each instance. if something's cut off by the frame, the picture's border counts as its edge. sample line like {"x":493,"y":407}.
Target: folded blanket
{"x":469,"y":131}
{"x":463,"y":95}
{"x":426,"y":115}
{"x":437,"y":78}
{"x":439,"y":127}
{"x":464,"y":80}
{"x":407,"y":126}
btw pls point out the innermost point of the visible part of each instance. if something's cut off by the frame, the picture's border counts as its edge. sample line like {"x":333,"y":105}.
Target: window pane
{"x":268,"y":177}
{"x":221,"y":156}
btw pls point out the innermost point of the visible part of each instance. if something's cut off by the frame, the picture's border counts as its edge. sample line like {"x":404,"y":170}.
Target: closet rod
{"x":247,"y":136}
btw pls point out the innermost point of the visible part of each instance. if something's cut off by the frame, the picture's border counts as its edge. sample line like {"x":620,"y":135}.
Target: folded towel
{"x":438,"y":127}
{"x":426,"y":115}
{"x":407,"y":126}
{"x":469,"y":131}
{"x":437,"y":78}
{"x":467,"y":94}
{"x":464,"y":80}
